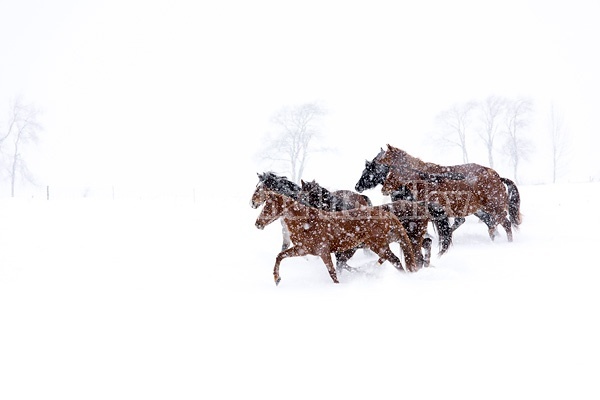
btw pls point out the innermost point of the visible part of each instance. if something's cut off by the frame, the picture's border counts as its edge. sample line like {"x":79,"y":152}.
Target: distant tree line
{"x":498,"y":123}
{"x":501,"y":124}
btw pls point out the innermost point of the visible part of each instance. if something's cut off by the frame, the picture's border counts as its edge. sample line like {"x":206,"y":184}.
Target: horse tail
{"x":368,"y":200}
{"x":514,"y":202}
{"x":441,"y":224}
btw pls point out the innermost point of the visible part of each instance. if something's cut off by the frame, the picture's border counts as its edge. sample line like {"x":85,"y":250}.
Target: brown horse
{"x":482,"y":178}
{"x":458,"y":198}
{"x":486,"y":181}
{"x":320,"y":233}
{"x":414,"y":217}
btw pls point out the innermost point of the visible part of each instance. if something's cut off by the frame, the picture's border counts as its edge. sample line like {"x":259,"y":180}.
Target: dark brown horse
{"x":321,"y":233}
{"x":414,"y":217}
{"x":483,"y":179}
{"x":458,"y":198}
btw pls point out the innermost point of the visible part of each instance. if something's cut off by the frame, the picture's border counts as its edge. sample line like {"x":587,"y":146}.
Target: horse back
{"x":347,"y":200}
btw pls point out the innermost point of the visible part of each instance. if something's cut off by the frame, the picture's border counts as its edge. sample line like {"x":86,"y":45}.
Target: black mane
{"x":280,"y":184}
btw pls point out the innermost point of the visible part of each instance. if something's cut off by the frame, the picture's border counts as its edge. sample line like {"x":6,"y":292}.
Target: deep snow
{"x":174,"y":300}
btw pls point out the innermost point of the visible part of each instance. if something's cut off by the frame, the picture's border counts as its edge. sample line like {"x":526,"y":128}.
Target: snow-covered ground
{"x":175,"y":300}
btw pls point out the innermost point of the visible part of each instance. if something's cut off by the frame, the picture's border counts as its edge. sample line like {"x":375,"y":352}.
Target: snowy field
{"x":175,"y":300}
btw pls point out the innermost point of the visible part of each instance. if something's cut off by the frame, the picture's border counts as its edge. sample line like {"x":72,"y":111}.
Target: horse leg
{"x":291,"y":252}
{"x":385,"y":254}
{"x":415,"y":232}
{"x":485,"y":217}
{"x":489,"y":220}
{"x":458,"y":221}
{"x":342,"y":259}
{"x":420,"y":259}
{"x":286,"y":236}
{"x":326,"y":257}
{"x":508,"y":228}
{"x":427,"y":248}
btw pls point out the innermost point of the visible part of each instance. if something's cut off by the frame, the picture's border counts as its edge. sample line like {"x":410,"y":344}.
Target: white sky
{"x":133,"y":91}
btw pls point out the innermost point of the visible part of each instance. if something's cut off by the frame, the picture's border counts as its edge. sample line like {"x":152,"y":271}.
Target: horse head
{"x":258,"y":197}
{"x":273,"y":209}
{"x":315,"y":195}
{"x":373,"y":175}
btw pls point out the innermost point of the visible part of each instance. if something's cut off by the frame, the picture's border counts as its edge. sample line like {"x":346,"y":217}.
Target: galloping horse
{"x":329,"y":201}
{"x":483,"y":179}
{"x":414,"y":217}
{"x":320,"y":233}
{"x":375,"y":174}
{"x":458,"y":198}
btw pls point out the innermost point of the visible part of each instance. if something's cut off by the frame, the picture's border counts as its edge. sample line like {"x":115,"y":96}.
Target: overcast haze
{"x":129,"y":299}
{"x":133,"y":92}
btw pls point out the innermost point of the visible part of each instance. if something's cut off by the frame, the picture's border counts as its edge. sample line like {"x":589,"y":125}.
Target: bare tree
{"x":559,"y":142}
{"x":22,"y":128}
{"x":297,"y":126}
{"x":455,"y":123}
{"x":518,"y":117}
{"x":492,"y":109}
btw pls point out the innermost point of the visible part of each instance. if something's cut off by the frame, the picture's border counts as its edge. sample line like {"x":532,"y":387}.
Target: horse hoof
{"x":277,"y":280}
{"x":427,"y":244}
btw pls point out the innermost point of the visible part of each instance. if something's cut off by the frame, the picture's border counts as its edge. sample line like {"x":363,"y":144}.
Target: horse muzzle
{"x":259,"y":225}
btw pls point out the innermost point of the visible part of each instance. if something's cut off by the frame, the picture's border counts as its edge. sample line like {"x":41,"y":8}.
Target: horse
{"x":328,"y":201}
{"x":320,"y":233}
{"x":458,"y":198}
{"x":483,"y":179}
{"x":414,"y":217}
{"x":375,"y":174}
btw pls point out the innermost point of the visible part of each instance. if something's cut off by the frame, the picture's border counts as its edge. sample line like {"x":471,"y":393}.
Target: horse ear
{"x":389,"y":147}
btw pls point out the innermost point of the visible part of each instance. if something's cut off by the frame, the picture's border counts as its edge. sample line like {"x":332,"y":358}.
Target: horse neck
{"x":415,"y":163}
{"x":279,"y":204}
{"x":291,"y":208}
{"x":293,"y":189}
{"x":319,"y":197}
{"x":284,"y":187}
{"x":393,"y":180}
